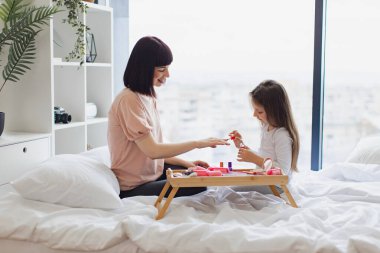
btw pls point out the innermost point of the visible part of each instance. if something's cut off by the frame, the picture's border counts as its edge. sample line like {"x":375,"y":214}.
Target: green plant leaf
{"x":21,"y":24}
{"x":11,"y":8}
{"x":28,"y":20}
{"x":19,"y":51}
{"x":74,"y":8}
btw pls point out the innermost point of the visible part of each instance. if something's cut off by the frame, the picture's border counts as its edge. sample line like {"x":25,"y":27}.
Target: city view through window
{"x":352,"y":95}
{"x":222,"y":50}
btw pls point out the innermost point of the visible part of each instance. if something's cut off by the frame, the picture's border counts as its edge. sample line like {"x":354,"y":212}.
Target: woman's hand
{"x":200,"y":163}
{"x":245,"y":154}
{"x":237,"y":138}
{"x":211,"y":142}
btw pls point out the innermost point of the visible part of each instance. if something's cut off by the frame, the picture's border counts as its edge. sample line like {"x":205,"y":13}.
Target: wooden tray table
{"x":231,"y":179}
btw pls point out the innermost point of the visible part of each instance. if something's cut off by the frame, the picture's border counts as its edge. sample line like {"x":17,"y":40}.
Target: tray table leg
{"x":161,"y":212}
{"x":289,"y":196}
{"x":162,"y":194}
{"x":274,"y":190}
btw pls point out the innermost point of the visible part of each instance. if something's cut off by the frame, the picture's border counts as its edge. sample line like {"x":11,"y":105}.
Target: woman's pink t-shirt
{"x":132,"y":117}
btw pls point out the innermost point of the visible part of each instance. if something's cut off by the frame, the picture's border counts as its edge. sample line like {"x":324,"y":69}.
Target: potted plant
{"x":21,"y":24}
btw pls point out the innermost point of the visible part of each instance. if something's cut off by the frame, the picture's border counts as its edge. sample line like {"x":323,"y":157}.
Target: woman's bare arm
{"x":156,"y":150}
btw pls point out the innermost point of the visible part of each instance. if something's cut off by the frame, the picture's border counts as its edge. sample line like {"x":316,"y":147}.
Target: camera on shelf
{"x":60,"y":116}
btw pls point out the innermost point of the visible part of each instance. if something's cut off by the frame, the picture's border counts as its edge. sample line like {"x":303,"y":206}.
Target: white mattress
{"x":339,"y":212}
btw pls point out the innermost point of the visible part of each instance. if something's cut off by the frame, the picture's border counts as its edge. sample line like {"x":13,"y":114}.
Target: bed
{"x":339,"y":212}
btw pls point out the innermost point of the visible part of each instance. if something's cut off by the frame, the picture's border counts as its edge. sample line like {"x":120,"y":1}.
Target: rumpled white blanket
{"x":336,"y":214}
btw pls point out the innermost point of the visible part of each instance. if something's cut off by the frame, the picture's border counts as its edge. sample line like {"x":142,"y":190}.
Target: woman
{"x":137,"y":152}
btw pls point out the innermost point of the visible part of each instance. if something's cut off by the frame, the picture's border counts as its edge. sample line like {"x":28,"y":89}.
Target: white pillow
{"x":367,"y":151}
{"x":100,"y":154}
{"x":356,"y":172}
{"x":71,"y":180}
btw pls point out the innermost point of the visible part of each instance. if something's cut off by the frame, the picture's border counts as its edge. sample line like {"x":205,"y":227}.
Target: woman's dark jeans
{"x":154,"y":188}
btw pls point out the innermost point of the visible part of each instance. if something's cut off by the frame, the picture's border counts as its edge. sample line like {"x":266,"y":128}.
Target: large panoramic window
{"x":352,"y":97}
{"x":222,"y":50}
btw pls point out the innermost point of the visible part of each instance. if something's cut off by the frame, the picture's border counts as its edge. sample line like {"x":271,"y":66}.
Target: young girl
{"x":279,"y":135}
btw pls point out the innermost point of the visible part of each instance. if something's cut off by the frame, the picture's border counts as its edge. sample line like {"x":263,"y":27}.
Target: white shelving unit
{"x":28,"y":105}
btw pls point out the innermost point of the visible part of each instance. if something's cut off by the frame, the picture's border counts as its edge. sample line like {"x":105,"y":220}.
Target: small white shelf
{"x":69,"y":125}
{"x":9,"y":138}
{"x":63,"y":64}
{"x":95,"y":64}
{"x":96,"y":120}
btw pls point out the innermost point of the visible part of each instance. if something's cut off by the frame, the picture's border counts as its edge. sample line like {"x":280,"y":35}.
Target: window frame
{"x":318,"y":85}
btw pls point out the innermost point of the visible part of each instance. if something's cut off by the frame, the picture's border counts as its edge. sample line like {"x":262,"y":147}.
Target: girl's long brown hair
{"x":273,"y":97}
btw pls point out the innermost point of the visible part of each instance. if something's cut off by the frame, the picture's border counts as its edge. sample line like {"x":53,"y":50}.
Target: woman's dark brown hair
{"x":148,"y":53}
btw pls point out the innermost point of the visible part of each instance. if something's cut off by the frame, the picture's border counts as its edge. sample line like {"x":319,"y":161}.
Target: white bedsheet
{"x":334,"y":216}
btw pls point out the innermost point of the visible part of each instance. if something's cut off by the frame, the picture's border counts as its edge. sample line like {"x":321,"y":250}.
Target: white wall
{"x":121,"y":41}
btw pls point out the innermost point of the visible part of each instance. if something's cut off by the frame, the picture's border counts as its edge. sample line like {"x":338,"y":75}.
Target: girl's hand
{"x":237,"y":138}
{"x":211,"y":142}
{"x":245,"y":154}
{"x":200,"y":163}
